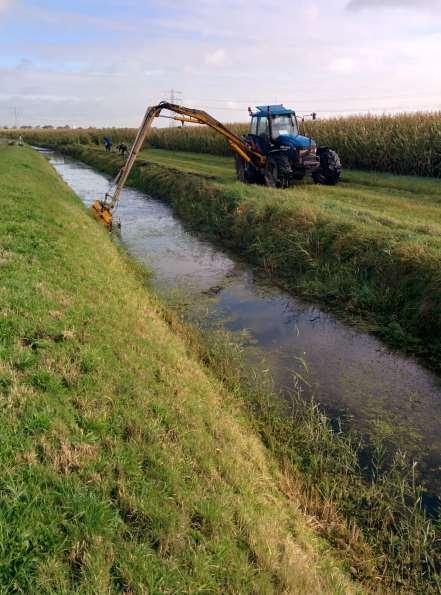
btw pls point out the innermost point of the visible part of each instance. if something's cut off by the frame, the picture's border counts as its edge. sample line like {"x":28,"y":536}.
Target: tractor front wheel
{"x":330,"y":168}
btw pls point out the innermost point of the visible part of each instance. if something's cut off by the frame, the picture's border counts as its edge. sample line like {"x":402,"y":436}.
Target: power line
{"x":14,"y":109}
{"x":175,"y":97}
{"x":328,"y":99}
{"x":335,"y":111}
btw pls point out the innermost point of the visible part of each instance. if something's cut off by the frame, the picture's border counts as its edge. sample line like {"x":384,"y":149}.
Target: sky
{"x":102,"y":62}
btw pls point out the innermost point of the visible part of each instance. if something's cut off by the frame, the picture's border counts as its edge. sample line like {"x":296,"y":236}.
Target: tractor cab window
{"x":253,"y":128}
{"x":283,"y":125}
{"x":262,"y":128}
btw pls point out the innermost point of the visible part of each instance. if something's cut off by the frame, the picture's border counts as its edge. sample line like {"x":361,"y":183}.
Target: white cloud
{"x":154,"y":72}
{"x":5,"y":4}
{"x":398,"y":4}
{"x":312,"y":13}
{"x":216,"y":58}
{"x":343,"y":66}
{"x":315,"y":56}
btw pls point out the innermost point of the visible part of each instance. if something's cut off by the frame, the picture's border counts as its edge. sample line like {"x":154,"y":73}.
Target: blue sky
{"x":102,"y":62}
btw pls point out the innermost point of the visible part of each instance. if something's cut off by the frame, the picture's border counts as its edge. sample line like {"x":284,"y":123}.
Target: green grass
{"x":408,"y":205}
{"x":215,"y":167}
{"x":369,"y":248}
{"x":125,"y":466}
{"x":377,"y":508}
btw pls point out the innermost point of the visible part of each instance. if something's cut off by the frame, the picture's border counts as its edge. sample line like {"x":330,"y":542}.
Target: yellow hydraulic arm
{"x":103,"y":209}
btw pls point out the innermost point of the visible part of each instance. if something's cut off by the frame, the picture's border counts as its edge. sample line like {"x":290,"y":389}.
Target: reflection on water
{"x":349,"y":372}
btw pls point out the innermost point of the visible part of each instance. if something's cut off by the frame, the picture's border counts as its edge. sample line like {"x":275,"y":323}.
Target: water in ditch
{"x":350,"y":373}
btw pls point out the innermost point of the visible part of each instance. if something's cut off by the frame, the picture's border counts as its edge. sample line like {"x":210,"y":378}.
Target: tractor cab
{"x":273,"y":121}
{"x":277,"y":125}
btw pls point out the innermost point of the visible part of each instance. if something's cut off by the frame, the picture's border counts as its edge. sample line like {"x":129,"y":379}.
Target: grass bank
{"x":369,"y":248}
{"x":125,"y":465}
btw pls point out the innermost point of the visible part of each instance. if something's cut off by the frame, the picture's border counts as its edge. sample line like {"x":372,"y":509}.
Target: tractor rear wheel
{"x":277,"y":170}
{"x":330,"y":168}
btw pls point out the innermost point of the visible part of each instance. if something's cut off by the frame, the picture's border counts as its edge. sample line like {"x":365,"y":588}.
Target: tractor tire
{"x":298,"y":177}
{"x":245,"y":173}
{"x":330,"y":169}
{"x":277,"y":171}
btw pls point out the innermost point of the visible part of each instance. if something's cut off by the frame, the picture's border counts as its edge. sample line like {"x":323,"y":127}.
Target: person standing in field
{"x":107,"y":144}
{"x":122,"y":148}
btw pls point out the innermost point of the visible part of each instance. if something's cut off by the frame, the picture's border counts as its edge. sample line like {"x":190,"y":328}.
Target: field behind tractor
{"x":405,"y":144}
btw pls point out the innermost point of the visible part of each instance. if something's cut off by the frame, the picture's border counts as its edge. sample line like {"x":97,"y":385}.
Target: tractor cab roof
{"x":273,"y":110}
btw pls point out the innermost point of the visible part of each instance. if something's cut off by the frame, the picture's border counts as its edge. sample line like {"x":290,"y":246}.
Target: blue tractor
{"x":287,"y":155}
{"x":273,"y":153}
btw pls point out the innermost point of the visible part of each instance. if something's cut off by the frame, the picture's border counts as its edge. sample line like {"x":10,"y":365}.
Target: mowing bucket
{"x":102,"y":212}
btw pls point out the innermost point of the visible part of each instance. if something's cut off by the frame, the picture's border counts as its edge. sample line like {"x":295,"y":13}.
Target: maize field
{"x":401,"y":144}
{"x":408,"y":144}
